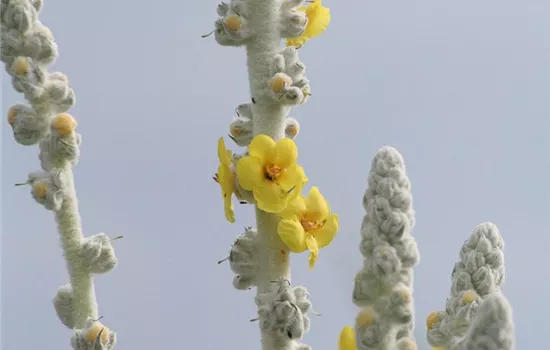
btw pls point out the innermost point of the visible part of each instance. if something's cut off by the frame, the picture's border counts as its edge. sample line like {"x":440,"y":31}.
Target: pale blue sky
{"x":460,"y":88}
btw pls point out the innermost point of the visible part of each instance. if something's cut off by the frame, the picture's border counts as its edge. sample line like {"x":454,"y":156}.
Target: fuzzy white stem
{"x":268,"y":119}
{"x":70,"y":230}
{"x":269,"y":116}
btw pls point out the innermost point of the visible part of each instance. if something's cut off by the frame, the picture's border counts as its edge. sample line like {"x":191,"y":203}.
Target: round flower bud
{"x":11,"y":116}
{"x":64,"y":124}
{"x":279,"y":82}
{"x":469,"y":296}
{"x":93,"y":332}
{"x":39,"y":190}
{"x":20,"y":65}
{"x":233,"y":23}
{"x":365,"y":318}
{"x":433,"y":318}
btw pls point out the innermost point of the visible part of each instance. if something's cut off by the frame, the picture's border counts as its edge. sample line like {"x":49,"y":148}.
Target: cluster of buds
{"x":232,"y":29}
{"x":27,"y":47}
{"x":478,"y":274}
{"x":23,"y":34}
{"x":48,"y":188}
{"x":293,"y":22}
{"x":283,"y":312}
{"x":288,"y":84}
{"x":243,"y":259}
{"x":240,"y":128}
{"x":94,"y":336}
{"x":491,"y":328}
{"x":383,"y":288}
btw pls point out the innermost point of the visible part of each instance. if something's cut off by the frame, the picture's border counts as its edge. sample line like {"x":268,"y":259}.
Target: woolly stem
{"x":70,"y":231}
{"x":268,"y":119}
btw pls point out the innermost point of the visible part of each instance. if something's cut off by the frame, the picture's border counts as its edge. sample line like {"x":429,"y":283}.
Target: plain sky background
{"x":460,"y":88}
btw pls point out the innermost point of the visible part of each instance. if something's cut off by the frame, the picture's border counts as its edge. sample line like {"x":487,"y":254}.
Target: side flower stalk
{"x":477,"y":315}
{"x":27,"y":48}
{"x":384,"y":286}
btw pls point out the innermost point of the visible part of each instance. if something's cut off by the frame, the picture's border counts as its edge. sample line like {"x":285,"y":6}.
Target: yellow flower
{"x":347,"y":339}
{"x":306,"y":223}
{"x":318,"y":20}
{"x":226,"y":178}
{"x":271,"y":173}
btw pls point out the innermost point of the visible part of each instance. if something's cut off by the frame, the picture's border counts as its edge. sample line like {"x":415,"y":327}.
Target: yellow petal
{"x":297,"y":42}
{"x":223,"y":152}
{"x":317,"y":206}
{"x":263,"y":148}
{"x":228,"y":208}
{"x":250,"y":172}
{"x":319,"y":19}
{"x":270,"y":197}
{"x":226,"y":179}
{"x":286,"y":153}
{"x":311,"y":244}
{"x":347,"y":339}
{"x":295,"y":207}
{"x":293,"y":176}
{"x":292,"y":234}
{"x":326,"y":234}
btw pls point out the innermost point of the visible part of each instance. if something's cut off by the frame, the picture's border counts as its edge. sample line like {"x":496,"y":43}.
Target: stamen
{"x":309,"y":225}
{"x":272,"y":172}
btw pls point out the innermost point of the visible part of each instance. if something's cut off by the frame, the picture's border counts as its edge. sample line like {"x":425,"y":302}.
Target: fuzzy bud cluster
{"x":283,"y":312}
{"x":477,"y":276}
{"x":383,"y":287}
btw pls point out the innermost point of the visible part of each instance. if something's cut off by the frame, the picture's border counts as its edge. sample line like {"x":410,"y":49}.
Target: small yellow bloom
{"x":271,"y":173}
{"x":226,"y":178}
{"x":318,"y":20}
{"x":306,"y":223}
{"x":347,"y":339}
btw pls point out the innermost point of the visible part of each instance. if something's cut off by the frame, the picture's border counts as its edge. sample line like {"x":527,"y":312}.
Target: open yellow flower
{"x":318,"y":20}
{"x":306,"y":223}
{"x":271,"y":173}
{"x":347,"y":339}
{"x":226,"y":178}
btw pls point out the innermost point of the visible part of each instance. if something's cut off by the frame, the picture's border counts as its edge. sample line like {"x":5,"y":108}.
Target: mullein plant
{"x":27,"y":48}
{"x":267,"y":175}
{"x":476,"y":316}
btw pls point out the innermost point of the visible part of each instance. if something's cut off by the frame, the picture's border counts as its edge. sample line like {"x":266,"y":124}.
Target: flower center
{"x":311,"y":225}
{"x":272,"y":172}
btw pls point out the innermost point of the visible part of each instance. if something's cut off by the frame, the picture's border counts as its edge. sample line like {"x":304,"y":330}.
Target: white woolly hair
{"x":384,"y":285}
{"x":28,"y":47}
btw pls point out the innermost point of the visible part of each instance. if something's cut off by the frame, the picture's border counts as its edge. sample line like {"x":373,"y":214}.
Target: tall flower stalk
{"x":267,"y":174}
{"x":27,"y":48}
